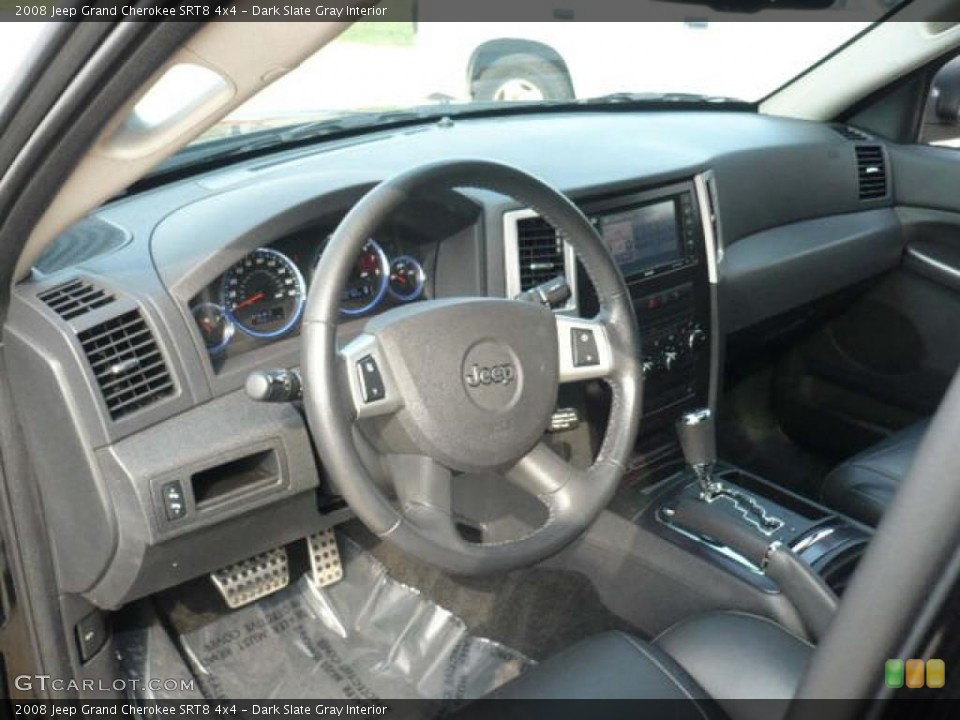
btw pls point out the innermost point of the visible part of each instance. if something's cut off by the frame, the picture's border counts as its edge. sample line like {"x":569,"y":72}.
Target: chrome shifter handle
{"x":698,"y":441}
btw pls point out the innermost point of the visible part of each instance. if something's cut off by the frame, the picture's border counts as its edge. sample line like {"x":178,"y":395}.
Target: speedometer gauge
{"x":263,"y":294}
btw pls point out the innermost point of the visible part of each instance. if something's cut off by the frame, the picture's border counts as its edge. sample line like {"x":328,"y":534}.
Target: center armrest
{"x":739,"y":658}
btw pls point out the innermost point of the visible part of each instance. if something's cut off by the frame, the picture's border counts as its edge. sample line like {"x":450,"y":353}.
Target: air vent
{"x":127,"y":363}
{"x":850,"y":133}
{"x":539,"y":252}
{"x":75,"y":298}
{"x":871,"y":172}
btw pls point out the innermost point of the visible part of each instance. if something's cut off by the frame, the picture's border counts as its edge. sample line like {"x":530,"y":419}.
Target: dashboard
{"x":259,"y":299}
{"x":132,"y":341}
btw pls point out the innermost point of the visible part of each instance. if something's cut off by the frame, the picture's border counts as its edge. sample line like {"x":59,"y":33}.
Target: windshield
{"x":379,"y":72}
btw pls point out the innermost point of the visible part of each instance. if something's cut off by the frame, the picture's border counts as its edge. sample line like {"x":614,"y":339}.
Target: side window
{"x":941,"y":116}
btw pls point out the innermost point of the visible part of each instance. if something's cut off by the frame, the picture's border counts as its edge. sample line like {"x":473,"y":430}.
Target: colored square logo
{"x":936,"y":673}
{"x":894,"y":673}
{"x":915,"y":673}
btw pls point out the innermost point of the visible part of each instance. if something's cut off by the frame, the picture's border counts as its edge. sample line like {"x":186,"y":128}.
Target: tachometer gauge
{"x":367,"y":284}
{"x":406,"y":278}
{"x":264,"y":293}
{"x":215,"y":327}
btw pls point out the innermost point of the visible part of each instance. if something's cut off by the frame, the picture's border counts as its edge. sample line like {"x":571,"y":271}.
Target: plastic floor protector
{"x":366,"y":637}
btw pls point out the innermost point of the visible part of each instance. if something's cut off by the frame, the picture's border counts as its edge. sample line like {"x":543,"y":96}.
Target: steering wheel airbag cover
{"x":493,"y":377}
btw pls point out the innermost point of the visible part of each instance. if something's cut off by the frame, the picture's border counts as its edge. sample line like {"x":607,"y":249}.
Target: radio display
{"x":643,"y":238}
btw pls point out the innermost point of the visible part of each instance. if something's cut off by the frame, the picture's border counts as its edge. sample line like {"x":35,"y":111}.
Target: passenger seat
{"x":864,"y":485}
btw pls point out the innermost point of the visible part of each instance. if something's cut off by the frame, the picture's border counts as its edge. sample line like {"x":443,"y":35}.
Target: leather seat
{"x":739,"y":658}
{"x":863,"y":486}
{"x":713,"y":661}
{"x":609,"y":665}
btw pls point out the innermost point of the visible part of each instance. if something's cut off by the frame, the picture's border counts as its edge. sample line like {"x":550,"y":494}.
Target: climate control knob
{"x":696,"y":337}
{"x":669,"y":359}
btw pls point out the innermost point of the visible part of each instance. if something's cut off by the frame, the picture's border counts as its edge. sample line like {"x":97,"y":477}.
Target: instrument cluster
{"x":261,"y":298}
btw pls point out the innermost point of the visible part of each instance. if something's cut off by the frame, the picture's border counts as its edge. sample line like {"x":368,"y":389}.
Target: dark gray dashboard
{"x":786,"y":211}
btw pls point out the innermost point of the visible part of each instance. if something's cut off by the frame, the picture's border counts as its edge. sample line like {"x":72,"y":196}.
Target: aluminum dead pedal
{"x":253,"y":578}
{"x":324,"y":558}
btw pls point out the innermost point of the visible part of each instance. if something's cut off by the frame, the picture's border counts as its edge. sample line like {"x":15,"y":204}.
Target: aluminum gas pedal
{"x":251,"y":579}
{"x":324,"y":558}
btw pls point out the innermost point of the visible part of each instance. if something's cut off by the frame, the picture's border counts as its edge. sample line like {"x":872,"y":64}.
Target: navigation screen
{"x":643,"y":238}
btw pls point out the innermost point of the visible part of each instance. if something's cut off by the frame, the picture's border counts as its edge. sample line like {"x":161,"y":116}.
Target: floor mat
{"x":537,"y":610}
{"x":368,"y":636}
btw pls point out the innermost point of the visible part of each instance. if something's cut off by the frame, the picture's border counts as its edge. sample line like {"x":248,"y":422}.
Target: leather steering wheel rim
{"x":424,"y":525}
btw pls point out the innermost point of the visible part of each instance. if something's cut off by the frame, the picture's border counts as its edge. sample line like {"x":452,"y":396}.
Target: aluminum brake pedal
{"x":251,"y":579}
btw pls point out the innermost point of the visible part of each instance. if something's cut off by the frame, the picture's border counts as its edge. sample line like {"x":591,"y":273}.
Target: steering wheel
{"x":465,"y":385}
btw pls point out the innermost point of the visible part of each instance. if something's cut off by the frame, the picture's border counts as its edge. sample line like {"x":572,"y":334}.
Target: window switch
{"x":174,"y":504}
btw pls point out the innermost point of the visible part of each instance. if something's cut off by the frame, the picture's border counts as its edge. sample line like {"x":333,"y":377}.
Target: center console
{"x":740,"y":541}
{"x":830,"y":544}
{"x":765,"y":548}
{"x":774,"y":542}
{"x":657,"y":238}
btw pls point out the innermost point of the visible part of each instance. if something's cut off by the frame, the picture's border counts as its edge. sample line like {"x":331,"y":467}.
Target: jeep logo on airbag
{"x":492,"y":375}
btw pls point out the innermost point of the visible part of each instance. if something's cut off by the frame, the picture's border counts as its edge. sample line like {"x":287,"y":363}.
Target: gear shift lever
{"x":698,"y":441}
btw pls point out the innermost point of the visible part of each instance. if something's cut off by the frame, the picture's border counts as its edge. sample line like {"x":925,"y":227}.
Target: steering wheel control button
{"x":585,"y":353}
{"x":174,"y":504}
{"x":371,"y":381}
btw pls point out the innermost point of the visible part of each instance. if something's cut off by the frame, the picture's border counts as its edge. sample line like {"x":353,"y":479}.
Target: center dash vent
{"x":540,"y":252}
{"x":127,"y":363}
{"x":75,"y":298}
{"x":871,"y":172}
